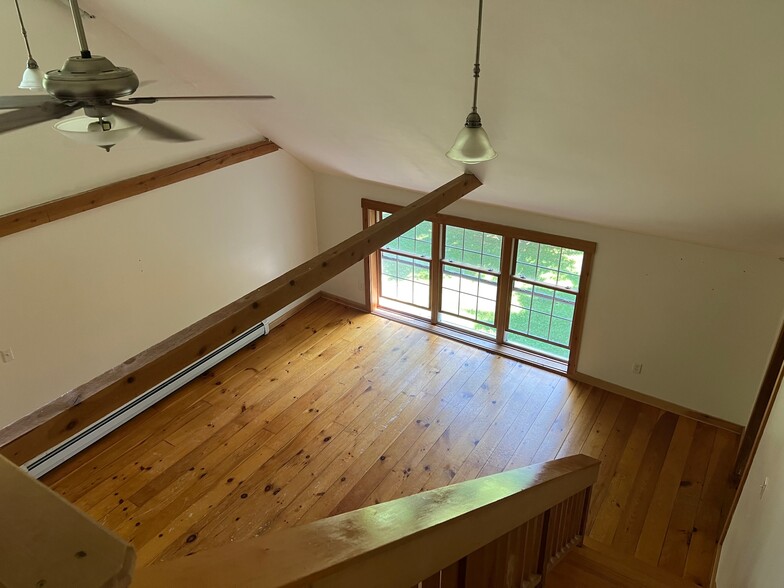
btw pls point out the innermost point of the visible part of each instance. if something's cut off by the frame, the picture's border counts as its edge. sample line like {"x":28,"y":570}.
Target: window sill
{"x":539,"y":361}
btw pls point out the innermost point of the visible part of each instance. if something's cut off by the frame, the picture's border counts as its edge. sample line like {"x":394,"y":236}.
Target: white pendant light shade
{"x":472,"y":146}
{"x":32,"y":79}
{"x":104,"y":133}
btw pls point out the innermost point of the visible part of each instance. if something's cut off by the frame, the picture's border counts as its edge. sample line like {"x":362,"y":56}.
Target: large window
{"x":520,"y":292}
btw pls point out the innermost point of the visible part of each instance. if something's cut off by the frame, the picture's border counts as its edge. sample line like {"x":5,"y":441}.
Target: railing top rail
{"x":395,"y":543}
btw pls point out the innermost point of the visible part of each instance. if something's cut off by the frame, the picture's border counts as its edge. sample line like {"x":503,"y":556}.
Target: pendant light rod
{"x":476,"y":62}
{"x":77,"y":18}
{"x":472,"y":144}
{"x":24,"y":32}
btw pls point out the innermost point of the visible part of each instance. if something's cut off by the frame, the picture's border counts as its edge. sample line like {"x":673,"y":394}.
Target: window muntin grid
{"x":473,"y":248}
{"x":541,"y":318}
{"x":405,"y":279}
{"x":469,"y":294}
{"x":415,"y":241}
{"x":404,"y":268}
{"x":548,"y":264}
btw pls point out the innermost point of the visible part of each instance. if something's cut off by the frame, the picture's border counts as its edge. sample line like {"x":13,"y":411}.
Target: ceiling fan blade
{"x":25,"y":101}
{"x":154,"y":99}
{"x":24,"y":117}
{"x":157,"y":128}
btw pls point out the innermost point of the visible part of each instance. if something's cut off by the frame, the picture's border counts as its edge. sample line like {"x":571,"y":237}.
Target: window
{"x":405,"y":271}
{"x":545,"y":283}
{"x":470,"y":268}
{"x":506,"y":289}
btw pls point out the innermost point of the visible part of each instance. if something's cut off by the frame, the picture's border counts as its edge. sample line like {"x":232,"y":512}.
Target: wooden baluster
{"x":568,"y":531}
{"x":584,"y":516}
{"x":557,"y":531}
{"x":544,"y":547}
{"x":523,"y":550}
{"x":563,"y":539}
{"x":513,"y":559}
{"x":455,"y":575}
{"x":577,"y":515}
{"x":533,"y":543}
{"x":480,"y":566}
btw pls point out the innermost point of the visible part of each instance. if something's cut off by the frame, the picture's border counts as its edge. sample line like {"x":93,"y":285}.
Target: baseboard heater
{"x":58,"y":454}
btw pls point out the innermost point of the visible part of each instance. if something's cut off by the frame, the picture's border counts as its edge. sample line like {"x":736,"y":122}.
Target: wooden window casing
{"x":506,"y":278}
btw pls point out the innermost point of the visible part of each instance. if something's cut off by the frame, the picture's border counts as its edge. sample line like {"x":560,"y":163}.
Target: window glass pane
{"x":540,"y":325}
{"x":543,"y":300}
{"x":474,"y":248}
{"x":416,"y":241}
{"x":560,"y":330}
{"x":549,"y":264}
{"x":563,"y":306}
{"x":549,"y":257}
{"x":518,"y":319}
{"x":450,"y":301}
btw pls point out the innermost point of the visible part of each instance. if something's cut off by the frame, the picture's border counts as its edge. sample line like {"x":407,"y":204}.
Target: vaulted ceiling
{"x":660,"y":117}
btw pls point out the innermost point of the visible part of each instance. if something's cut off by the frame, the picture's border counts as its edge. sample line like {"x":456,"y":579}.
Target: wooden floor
{"x":336,"y":409}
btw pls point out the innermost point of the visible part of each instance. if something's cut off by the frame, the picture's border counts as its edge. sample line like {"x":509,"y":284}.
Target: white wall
{"x":80,"y":295}
{"x":701,"y":320}
{"x":751,"y":554}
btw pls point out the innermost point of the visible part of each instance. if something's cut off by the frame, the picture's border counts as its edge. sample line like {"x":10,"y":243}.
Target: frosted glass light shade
{"x":472,"y":145}
{"x":87,"y":129}
{"x":32,"y":79}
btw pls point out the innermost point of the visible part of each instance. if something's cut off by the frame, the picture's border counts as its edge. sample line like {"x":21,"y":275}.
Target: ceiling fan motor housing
{"x":92,"y":78}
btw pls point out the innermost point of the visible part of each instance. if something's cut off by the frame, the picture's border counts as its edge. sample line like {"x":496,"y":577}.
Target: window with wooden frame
{"x":512,"y":291}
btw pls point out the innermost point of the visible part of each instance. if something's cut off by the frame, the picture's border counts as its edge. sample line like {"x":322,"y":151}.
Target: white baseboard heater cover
{"x":58,"y":454}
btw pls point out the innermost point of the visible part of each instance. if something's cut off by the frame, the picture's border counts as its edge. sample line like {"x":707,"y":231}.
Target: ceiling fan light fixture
{"x":32,"y":78}
{"x":104,"y":132}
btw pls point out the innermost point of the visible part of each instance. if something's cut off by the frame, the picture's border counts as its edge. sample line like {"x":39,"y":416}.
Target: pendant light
{"x":33,"y":77}
{"x":472,"y":144}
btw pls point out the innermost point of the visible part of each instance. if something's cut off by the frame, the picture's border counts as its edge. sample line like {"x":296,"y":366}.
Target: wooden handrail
{"x":46,"y":541}
{"x":514,"y":524}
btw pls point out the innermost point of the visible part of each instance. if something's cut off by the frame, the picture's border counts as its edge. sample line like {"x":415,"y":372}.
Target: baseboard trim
{"x":345,"y":301}
{"x":658,"y":403}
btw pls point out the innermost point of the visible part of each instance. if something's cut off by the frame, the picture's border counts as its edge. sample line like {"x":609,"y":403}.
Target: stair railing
{"x":501,"y":531}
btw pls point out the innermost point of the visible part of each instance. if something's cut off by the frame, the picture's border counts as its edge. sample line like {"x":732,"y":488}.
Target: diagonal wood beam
{"x":84,"y":405}
{"x":47,"y":212}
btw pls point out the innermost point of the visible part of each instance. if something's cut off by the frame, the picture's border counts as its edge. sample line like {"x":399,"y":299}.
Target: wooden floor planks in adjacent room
{"x":337,"y":409}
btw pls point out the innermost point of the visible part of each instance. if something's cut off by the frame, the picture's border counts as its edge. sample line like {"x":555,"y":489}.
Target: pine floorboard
{"x":337,"y":409}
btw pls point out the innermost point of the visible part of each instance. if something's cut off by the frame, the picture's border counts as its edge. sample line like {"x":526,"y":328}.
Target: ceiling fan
{"x":104,"y":91}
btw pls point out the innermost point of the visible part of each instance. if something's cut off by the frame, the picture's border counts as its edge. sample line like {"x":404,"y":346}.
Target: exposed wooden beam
{"x":47,"y":212}
{"x":84,"y":405}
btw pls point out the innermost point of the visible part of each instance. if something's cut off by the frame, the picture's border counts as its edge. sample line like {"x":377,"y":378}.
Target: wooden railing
{"x":501,"y":531}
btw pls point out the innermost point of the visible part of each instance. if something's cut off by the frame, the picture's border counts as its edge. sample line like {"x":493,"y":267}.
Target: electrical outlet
{"x":637,"y":368}
{"x":7,"y":355}
{"x":763,"y":487}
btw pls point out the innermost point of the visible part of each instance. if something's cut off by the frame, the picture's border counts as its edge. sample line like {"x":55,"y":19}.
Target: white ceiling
{"x":655,"y":116}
